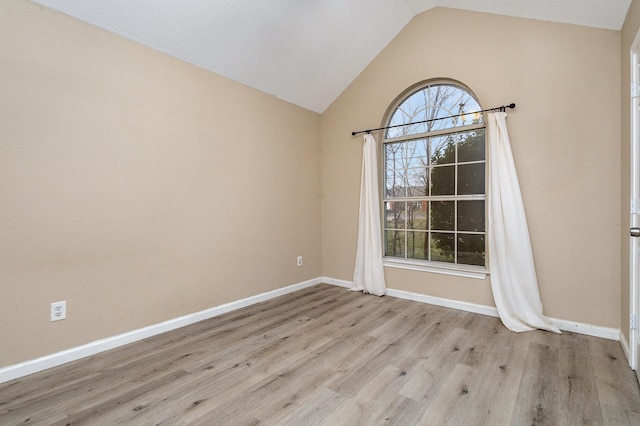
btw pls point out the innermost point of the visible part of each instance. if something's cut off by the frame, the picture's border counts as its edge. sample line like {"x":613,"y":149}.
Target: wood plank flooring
{"x":329,"y":356}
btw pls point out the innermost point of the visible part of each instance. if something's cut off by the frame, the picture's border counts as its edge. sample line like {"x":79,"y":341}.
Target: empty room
{"x":334,"y":212}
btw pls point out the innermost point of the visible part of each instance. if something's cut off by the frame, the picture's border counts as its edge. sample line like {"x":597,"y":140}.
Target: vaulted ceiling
{"x":303,"y":51}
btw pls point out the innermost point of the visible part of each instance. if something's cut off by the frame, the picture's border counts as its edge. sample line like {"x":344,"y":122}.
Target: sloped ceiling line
{"x":305,"y":52}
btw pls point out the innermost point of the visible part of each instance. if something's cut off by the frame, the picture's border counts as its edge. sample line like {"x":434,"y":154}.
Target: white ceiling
{"x":303,"y":51}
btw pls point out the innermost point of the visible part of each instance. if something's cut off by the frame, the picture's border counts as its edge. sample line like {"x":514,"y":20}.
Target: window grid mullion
{"x":406,"y":234}
{"x":455,"y":203}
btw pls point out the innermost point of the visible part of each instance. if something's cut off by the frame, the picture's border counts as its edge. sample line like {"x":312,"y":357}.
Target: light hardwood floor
{"x":329,"y":356}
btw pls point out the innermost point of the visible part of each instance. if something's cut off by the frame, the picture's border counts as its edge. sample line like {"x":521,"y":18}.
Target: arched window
{"x":434,"y":178}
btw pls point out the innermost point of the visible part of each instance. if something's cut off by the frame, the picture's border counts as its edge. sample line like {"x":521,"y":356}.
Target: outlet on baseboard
{"x":299,"y":261}
{"x":58,"y":311}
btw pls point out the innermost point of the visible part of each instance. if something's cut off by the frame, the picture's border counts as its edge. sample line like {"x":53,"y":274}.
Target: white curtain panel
{"x":368,"y":275}
{"x":513,"y":275}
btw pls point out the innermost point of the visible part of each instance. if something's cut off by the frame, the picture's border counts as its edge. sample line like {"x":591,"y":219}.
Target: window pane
{"x":395,"y":183}
{"x":412,"y":109}
{"x":394,"y":243}
{"x":442,"y":247}
{"x":394,"y":213}
{"x":443,"y":149}
{"x":443,"y":180}
{"x":417,"y":153}
{"x":417,"y":215}
{"x":442,"y":215}
{"x":471,"y":146}
{"x":470,"y":179}
{"x":471,"y":215}
{"x":418,"y":182}
{"x":471,"y":249}
{"x":394,"y":155}
{"x":417,"y":245}
{"x":434,"y":101}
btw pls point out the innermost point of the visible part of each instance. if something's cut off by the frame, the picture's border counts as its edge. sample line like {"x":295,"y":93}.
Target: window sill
{"x":476,"y":272}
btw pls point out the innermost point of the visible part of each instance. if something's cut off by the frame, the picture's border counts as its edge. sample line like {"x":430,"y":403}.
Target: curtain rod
{"x":500,"y":108}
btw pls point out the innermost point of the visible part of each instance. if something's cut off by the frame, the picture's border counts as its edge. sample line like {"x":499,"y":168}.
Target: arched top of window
{"x":432,"y":100}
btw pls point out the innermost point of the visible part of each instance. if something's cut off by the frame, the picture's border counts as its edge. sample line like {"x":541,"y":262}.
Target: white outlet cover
{"x":58,"y":311}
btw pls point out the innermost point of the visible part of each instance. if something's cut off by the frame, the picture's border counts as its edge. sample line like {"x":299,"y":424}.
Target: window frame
{"x":457,"y":269}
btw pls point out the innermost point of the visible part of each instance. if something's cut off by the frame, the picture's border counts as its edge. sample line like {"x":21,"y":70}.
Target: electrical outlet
{"x":299,"y":260}
{"x":58,"y":311}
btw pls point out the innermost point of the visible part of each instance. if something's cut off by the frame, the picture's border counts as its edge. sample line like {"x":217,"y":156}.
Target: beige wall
{"x":565,"y":135}
{"x":138,"y":188}
{"x":628,"y":34}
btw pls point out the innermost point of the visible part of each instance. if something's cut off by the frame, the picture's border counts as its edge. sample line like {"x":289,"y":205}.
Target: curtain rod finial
{"x":511,"y":105}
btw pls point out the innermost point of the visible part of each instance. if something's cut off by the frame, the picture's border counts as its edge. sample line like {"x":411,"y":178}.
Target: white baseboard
{"x":447,"y":303}
{"x":564,"y":325}
{"x":423,"y":298}
{"x":625,"y":348}
{"x":33,"y":366}
{"x":588,"y":329}
{"x":22,"y":369}
{"x":334,"y":281}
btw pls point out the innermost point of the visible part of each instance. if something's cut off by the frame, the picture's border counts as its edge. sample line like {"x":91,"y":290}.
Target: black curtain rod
{"x":500,"y":108}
